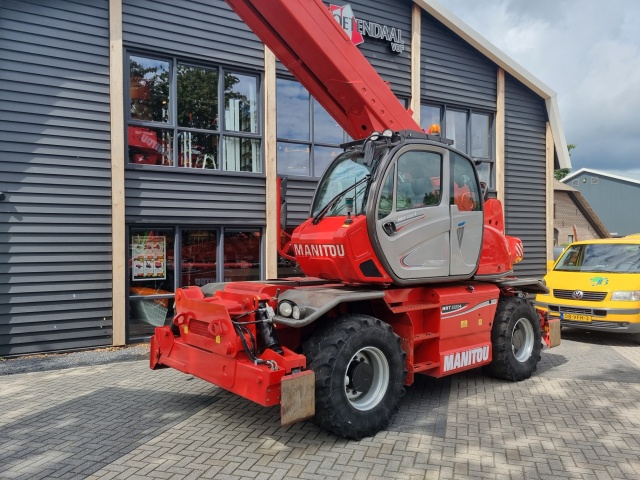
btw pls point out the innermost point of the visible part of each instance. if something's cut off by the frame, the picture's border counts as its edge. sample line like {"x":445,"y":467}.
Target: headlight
{"x":626,"y":295}
{"x":298,"y":312}
{"x":285,"y":309}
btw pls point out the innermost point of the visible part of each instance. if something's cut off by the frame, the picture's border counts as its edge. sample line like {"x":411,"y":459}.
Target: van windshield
{"x":602,"y":257}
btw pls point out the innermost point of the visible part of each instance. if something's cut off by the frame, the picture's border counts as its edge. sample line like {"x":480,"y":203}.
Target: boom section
{"x":306,"y":38}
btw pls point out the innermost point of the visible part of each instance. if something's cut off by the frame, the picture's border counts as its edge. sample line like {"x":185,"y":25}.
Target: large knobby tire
{"x":516,"y":338}
{"x":359,"y":368}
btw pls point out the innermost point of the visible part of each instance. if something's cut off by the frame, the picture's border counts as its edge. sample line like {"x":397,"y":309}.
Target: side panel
{"x":55,"y":222}
{"x":525,"y":175}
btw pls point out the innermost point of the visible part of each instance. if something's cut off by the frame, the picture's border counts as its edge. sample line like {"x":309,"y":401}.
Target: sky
{"x":588,"y":52}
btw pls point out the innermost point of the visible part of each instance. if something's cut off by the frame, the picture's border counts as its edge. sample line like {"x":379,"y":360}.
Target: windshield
{"x":612,"y":258}
{"x":347,"y":170}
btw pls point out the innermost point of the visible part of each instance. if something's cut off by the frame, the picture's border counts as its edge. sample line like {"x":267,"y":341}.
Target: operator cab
{"x":421,"y":200}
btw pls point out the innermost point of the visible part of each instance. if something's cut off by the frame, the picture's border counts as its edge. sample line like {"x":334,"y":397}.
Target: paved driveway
{"x":578,"y":418}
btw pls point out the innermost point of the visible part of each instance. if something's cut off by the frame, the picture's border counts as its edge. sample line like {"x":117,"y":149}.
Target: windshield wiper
{"x":320,"y":215}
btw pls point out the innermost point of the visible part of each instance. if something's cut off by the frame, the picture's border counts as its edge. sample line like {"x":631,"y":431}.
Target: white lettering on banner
{"x":318,"y":250}
{"x":453,"y":361}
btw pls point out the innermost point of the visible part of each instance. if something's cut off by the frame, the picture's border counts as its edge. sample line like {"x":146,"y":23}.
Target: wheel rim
{"x":522,"y":339}
{"x":367,"y":378}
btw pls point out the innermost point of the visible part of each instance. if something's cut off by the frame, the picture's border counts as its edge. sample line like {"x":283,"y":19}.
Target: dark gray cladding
{"x":525,"y":174}
{"x":55,"y":222}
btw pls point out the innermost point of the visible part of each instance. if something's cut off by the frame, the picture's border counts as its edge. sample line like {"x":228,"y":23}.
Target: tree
{"x":563,"y":172}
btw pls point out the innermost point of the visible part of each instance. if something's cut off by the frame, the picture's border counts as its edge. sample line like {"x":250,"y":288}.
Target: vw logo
{"x":577,"y":295}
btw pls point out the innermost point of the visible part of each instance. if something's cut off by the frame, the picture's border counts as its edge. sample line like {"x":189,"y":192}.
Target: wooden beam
{"x":118,"y":228}
{"x":550,"y":154}
{"x":500,"y":138}
{"x":270,"y":149}
{"x":416,"y":46}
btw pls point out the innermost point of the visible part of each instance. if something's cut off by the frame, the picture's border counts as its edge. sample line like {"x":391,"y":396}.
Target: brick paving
{"x":577,"y":418}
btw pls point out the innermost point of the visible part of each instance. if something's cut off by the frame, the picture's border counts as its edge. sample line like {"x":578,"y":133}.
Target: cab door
{"x":467,"y":218}
{"x":412,"y":216}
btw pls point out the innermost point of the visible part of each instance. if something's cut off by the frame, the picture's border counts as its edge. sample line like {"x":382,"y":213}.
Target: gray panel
{"x":207,"y":30}
{"x":171,"y":196}
{"x":392,"y":67}
{"x":525,"y":174}
{"x":452,"y":71}
{"x":55,"y":223}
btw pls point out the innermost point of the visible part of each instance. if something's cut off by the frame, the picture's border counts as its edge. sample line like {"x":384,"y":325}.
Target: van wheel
{"x":359,"y":368}
{"x":516,"y":338}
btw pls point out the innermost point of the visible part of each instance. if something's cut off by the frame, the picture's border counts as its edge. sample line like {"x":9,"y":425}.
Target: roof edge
{"x":598,"y":172}
{"x":443,"y":15}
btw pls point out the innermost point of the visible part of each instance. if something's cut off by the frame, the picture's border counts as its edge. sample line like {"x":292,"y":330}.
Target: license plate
{"x":576,"y":317}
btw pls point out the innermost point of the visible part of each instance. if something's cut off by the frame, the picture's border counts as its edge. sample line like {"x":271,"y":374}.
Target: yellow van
{"x":595,"y":285}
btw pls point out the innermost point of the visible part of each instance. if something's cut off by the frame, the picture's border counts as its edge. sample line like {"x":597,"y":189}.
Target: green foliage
{"x":561,"y":173}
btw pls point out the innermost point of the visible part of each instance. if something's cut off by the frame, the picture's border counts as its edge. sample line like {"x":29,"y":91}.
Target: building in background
{"x":613,"y":197}
{"x":573,"y":217}
{"x":140,"y":143}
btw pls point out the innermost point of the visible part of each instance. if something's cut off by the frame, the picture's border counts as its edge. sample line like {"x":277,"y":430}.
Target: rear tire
{"x":359,"y":368}
{"x":516,"y":338}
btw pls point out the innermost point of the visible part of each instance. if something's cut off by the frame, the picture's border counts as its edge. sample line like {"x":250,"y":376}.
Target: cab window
{"x":385,"y":204}
{"x":464,"y":186}
{"x":418,"y":180}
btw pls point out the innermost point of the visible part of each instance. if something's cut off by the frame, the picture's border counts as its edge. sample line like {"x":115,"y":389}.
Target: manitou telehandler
{"x":407,"y":266}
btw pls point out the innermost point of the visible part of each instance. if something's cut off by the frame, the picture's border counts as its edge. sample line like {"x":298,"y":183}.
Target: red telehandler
{"x":407,"y":267}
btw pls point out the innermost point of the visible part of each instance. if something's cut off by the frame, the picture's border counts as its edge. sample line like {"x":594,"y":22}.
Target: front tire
{"x":359,"y":368}
{"x":516,"y":338}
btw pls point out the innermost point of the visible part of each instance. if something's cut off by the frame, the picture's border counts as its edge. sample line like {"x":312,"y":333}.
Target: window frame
{"x":222,"y":132}
{"x":491,"y":160}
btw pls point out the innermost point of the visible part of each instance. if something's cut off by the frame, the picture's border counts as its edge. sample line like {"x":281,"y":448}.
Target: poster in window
{"x":148,"y":254}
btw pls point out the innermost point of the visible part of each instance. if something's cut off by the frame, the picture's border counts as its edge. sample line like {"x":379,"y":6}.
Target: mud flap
{"x":298,"y":397}
{"x":554,"y":332}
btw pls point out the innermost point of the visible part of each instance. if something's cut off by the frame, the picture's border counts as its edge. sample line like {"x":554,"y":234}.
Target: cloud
{"x":588,"y":52}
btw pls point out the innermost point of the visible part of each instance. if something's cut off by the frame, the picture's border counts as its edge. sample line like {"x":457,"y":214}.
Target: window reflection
{"x":150,"y":146}
{"x":198,"y":150}
{"x":322,"y":158}
{"x":198,"y":261}
{"x":480,"y":135}
{"x":456,"y":129}
{"x":149,"y":89}
{"x":197,"y":97}
{"x":325,"y":128}
{"x":292,"y":107}
{"x":241,"y":256}
{"x":242,"y":154}
{"x":429,"y":115}
{"x":240,"y":103}
{"x":293,"y":159}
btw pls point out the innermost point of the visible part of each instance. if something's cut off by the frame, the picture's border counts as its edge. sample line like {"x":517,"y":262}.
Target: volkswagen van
{"x":595,"y":285}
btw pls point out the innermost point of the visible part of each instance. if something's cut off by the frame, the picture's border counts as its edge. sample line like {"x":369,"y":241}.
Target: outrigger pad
{"x":554,"y":332}
{"x":297,"y":397}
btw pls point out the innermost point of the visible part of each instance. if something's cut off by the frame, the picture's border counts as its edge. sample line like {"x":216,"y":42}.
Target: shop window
{"x":157,"y":267}
{"x":308,"y":137}
{"x":184,"y":130}
{"x":151,"y":279}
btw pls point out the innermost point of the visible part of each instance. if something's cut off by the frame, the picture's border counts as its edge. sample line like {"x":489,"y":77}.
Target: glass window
{"x":149,"y":89}
{"x":430,"y":115}
{"x":292,"y":111}
{"x":198,"y":257}
{"x":151,"y":279}
{"x":150,"y":146}
{"x":242,"y":154}
{"x":464,"y":187}
{"x":418,"y":180}
{"x":195,"y":138}
{"x":241,"y":256}
{"x":308,"y":137}
{"x":385,"y":205}
{"x":197,"y":97}
{"x":456,"y":129}
{"x":480,"y":135}
{"x":240,"y":103}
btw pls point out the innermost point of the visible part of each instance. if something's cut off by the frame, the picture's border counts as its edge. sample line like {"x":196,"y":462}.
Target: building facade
{"x":573,"y":217}
{"x":141,"y":140}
